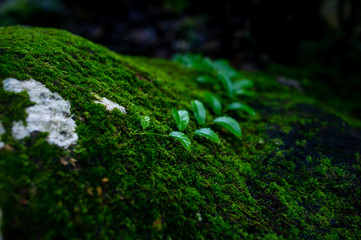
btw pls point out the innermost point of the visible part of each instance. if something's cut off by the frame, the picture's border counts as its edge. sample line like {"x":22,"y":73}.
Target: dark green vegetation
{"x":294,"y":173}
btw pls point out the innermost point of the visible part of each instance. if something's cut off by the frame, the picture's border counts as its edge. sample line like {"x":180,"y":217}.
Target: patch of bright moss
{"x":113,"y":184}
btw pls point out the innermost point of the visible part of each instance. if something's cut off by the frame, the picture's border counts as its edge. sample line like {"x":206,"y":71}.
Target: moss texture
{"x":294,"y":174}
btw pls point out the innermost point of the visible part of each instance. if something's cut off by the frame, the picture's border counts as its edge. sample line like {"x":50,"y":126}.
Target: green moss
{"x":114,"y":184}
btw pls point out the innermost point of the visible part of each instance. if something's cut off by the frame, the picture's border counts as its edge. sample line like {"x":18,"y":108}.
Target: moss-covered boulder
{"x":73,"y":167}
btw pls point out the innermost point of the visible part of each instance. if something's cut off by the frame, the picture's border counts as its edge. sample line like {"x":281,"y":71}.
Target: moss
{"x":276,"y":182}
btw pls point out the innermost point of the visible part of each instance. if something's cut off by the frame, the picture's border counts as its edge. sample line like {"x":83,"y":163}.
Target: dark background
{"x":315,"y":42}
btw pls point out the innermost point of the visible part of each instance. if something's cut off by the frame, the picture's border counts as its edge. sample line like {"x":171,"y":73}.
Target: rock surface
{"x":294,"y":173}
{"x":50,"y":113}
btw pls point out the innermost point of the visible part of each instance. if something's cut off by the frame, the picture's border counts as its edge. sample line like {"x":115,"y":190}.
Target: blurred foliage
{"x":321,"y":37}
{"x":259,"y":31}
{"x":220,"y":75}
{"x":32,"y":12}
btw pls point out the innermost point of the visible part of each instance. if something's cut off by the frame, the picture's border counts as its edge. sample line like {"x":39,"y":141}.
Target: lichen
{"x":49,"y":114}
{"x":109,"y":105}
{"x":285,"y":178}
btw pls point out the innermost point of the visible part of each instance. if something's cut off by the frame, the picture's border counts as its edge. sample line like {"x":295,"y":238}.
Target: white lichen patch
{"x":109,"y":105}
{"x":2,"y":131}
{"x":51,"y":113}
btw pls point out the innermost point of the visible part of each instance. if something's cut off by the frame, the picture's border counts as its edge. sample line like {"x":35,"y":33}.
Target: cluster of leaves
{"x":221,"y":75}
{"x":181,"y":118}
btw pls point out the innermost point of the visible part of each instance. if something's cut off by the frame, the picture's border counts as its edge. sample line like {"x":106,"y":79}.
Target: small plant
{"x":227,"y":84}
{"x":230,"y":124}
{"x":183,"y":139}
{"x":207,"y":80}
{"x":181,"y":117}
{"x":242,"y":84}
{"x":214,"y":103}
{"x":199,"y":111}
{"x":241,"y":87}
{"x":208,"y":133}
{"x":145,"y":121}
{"x":200,"y":115}
{"x":242,"y":107}
{"x":220,"y":73}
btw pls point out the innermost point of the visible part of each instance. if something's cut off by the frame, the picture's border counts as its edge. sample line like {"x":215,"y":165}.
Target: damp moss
{"x":113,"y":184}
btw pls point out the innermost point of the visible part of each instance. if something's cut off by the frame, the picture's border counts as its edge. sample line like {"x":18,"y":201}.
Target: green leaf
{"x":206,"y":79}
{"x":230,"y":124}
{"x":195,"y":61}
{"x":227,"y":84}
{"x":208,"y":133}
{"x":241,"y":84}
{"x":145,"y":121}
{"x":214,"y":103}
{"x":223,"y":67}
{"x":181,"y":117}
{"x":199,"y":111}
{"x":183,"y":139}
{"x":245,"y":93}
{"x":242,"y":107}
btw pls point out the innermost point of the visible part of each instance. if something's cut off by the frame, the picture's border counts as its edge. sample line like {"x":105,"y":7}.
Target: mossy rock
{"x":294,"y":173}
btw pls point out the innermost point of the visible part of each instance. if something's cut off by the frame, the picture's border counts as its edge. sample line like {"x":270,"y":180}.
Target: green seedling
{"x":230,"y":124}
{"x":243,"y":92}
{"x":242,"y":107}
{"x":242,"y":84}
{"x":208,"y":133}
{"x":227,"y":84}
{"x":199,"y":111}
{"x":214,"y":103}
{"x":145,"y":121}
{"x":218,"y":72}
{"x":181,"y":118}
{"x":183,"y":139}
{"x":207,"y":80}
